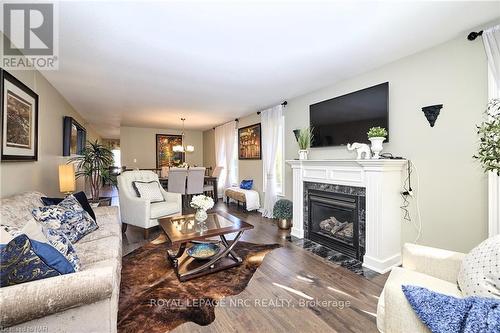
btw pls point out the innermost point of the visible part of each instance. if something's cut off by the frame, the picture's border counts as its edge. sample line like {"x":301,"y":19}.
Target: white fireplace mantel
{"x":382,"y":180}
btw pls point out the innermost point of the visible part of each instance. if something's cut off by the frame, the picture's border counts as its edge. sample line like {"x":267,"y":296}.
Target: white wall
{"x":453,"y":194}
{"x":140,"y":144}
{"x":42,"y":175}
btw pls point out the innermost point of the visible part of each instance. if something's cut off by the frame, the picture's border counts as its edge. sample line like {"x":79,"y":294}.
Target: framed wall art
{"x":74,"y":137}
{"x":249,"y":142}
{"x":19,"y":113}
{"x":165,"y":155}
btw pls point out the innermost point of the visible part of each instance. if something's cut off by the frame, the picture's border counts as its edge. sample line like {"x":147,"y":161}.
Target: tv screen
{"x":347,"y":119}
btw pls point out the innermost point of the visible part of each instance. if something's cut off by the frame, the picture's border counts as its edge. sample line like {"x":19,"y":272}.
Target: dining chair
{"x":209,"y":188}
{"x":164,"y":172}
{"x":195,"y":180}
{"x":177,"y":180}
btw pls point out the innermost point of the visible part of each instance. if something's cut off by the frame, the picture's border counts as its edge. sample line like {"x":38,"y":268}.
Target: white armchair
{"x":141,"y":212}
{"x":423,"y":266}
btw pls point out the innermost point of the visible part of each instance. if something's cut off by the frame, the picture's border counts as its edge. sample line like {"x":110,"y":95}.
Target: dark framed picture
{"x":249,"y":142}
{"x":74,"y":137}
{"x":165,"y":154}
{"x":19,"y":105}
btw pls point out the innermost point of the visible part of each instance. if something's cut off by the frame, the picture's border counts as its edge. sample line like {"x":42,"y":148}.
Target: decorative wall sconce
{"x":432,"y":112}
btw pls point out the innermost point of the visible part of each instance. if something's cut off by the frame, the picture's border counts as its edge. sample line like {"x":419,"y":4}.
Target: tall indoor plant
{"x":93,"y":164}
{"x":304,"y":140}
{"x":489,"y":135}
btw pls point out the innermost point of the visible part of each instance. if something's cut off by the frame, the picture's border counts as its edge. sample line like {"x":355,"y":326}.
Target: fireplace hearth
{"x":335,"y":217}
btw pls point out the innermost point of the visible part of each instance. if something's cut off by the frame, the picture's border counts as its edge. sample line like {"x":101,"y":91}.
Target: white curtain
{"x":491,"y":41}
{"x":271,"y":127}
{"x":225,"y":155}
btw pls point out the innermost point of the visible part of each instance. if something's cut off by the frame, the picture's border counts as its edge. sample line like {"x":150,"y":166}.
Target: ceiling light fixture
{"x":181,"y":148}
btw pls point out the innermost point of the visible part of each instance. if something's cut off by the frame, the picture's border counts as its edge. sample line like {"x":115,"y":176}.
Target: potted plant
{"x":93,"y":164}
{"x":283,"y":211}
{"x":489,"y":136}
{"x":304,"y":140}
{"x":377,"y":136}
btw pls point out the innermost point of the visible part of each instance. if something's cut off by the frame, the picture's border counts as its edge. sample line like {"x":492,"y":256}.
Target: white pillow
{"x":148,"y":190}
{"x":480,"y":271}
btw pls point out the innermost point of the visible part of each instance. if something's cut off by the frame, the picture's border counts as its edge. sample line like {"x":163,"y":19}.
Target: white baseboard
{"x":381,"y":266}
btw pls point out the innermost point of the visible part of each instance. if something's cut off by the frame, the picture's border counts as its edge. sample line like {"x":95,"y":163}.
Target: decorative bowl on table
{"x":203,"y":251}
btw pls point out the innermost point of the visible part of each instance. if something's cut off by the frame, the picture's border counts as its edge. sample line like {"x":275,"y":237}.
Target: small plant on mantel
{"x":377,"y":132}
{"x":377,"y":136}
{"x":489,"y":136}
{"x":304,"y":140}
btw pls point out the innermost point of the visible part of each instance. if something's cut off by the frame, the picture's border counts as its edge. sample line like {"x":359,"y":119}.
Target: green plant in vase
{"x":283,"y":211}
{"x":93,"y":164}
{"x":377,"y":136}
{"x":304,"y":140}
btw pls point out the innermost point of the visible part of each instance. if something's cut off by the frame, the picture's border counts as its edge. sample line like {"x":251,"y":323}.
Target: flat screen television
{"x":347,"y":119}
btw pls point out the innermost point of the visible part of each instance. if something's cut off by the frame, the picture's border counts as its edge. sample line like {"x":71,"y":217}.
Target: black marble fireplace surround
{"x":334,"y":216}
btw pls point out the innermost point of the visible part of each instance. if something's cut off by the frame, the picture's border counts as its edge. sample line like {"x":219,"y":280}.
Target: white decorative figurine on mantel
{"x":361,"y":148}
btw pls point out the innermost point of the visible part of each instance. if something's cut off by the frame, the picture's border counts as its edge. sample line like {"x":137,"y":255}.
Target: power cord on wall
{"x":407,"y":194}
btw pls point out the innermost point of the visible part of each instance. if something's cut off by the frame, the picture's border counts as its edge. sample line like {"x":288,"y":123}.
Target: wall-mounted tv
{"x":347,"y":119}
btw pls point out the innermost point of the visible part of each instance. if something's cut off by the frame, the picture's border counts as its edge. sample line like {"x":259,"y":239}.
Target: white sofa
{"x":85,"y":301}
{"x":141,"y":212}
{"x":423,"y":266}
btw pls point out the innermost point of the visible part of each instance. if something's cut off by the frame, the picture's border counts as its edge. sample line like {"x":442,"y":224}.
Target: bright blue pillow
{"x":52,"y":257}
{"x":246,"y":184}
{"x":21,"y":264}
{"x":444,"y":314}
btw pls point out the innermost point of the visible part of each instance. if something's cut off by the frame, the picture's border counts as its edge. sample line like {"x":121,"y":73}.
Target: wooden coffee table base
{"x":188,"y":268}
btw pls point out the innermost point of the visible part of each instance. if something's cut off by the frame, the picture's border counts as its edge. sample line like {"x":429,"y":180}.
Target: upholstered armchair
{"x":141,"y":212}
{"x":423,"y":266}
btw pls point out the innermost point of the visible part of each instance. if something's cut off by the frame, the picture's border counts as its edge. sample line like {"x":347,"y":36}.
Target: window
{"x":280,"y":162}
{"x":117,"y":160}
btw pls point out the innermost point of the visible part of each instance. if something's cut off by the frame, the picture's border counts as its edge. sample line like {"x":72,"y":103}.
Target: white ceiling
{"x":149,"y":63}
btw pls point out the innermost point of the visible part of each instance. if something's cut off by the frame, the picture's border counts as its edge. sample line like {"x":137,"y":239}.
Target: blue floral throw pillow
{"x":67,"y":217}
{"x":21,"y":264}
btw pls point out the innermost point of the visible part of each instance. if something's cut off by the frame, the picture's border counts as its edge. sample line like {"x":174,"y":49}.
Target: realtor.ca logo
{"x":29,"y":36}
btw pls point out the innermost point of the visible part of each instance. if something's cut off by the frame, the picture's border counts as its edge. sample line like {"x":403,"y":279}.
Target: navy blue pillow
{"x":246,"y":184}
{"x":80,"y":196}
{"x":52,"y":257}
{"x":21,"y":264}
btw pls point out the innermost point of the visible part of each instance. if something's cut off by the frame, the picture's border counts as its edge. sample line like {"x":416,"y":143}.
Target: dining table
{"x":208,"y":180}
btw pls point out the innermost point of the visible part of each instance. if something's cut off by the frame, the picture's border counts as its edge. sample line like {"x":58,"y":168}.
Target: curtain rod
{"x":473,"y":35}
{"x":284,"y":104}
{"x":236,"y":120}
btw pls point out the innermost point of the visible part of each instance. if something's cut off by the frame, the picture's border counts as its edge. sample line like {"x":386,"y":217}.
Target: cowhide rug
{"x":153,"y":300}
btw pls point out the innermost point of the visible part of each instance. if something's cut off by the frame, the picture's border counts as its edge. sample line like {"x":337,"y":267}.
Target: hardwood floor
{"x":292,"y":291}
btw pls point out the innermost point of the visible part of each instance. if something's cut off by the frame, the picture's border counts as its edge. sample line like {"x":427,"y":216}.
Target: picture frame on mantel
{"x":19,"y":118}
{"x":250,"y":142}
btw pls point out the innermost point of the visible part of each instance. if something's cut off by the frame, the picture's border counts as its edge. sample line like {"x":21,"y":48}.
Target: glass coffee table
{"x":184,"y":230}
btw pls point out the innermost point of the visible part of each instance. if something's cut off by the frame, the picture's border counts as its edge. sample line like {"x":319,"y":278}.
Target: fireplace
{"x":335,"y":217}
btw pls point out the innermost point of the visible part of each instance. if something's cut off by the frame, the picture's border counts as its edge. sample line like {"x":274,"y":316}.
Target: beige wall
{"x":453,"y":192}
{"x":209,"y":149}
{"x":247,"y":169}
{"x":140,"y":144}
{"x":42,"y":175}
{"x":251,"y":169}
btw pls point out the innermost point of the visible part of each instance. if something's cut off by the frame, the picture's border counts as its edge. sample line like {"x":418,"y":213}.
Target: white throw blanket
{"x":251,"y":197}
